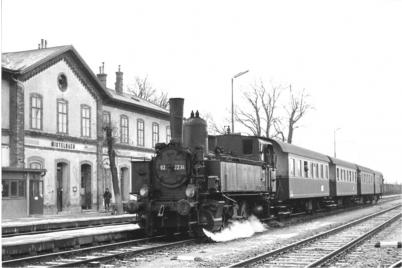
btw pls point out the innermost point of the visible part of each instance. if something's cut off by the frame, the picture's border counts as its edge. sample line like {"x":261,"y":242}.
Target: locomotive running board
{"x":161,"y":211}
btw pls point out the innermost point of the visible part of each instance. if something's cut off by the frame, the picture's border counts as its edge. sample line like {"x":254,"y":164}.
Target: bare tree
{"x":269,"y":101}
{"x":251,"y":119}
{"x":298,"y":107}
{"x":112,"y":159}
{"x":213,"y":127}
{"x":262,"y":108}
{"x":144,"y":90}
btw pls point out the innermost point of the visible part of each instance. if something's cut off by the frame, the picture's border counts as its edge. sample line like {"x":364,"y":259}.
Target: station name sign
{"x":62,"y":145}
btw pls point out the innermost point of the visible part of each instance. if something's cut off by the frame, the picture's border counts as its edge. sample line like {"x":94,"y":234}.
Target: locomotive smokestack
{"x":176,"y":119}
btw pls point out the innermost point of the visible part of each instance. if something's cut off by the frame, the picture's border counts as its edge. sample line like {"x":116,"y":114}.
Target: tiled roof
{"x":24,"y":60}
{"x":130,"y":98}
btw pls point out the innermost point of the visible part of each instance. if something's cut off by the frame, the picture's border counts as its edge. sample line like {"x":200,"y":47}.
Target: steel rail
{"x":80,"y":250}
{"x":396,"y":264}
{"x":107,"y":255}
{"x":307,"y":240}
{"x":353,"y":243}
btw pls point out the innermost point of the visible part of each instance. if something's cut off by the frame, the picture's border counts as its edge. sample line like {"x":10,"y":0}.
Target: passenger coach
{"x":365,"y":179}
{"x":302,"y":176}
{"x":343,"y":181}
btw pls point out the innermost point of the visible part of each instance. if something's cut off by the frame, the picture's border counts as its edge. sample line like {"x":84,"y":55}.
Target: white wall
{"x":115,"y":114}
{"x":45,"y":83}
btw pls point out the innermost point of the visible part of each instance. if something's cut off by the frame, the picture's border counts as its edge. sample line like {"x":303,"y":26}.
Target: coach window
{"x":305,"y":169}
{"x":337,"y":174}
{"x":297,"y":168}
{"x":155,"y":134}
{"x":85,"y":121}
{"x":292,"y":167}
{"x":62,"y":116}
{"x":36,"y":111}
{"x":301,"y":168}
{"x":316,"y":171}
{"x":123,"y":129}
{"x":311,"y":172}
{"x":321,"y":171}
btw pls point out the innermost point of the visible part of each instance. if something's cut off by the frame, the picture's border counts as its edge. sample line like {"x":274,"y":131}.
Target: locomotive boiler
{"x":186,"y":188}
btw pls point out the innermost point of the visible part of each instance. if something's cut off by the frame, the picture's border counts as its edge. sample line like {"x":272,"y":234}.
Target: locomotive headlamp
{"x":144,"y":191}
{"x":190,"y":190}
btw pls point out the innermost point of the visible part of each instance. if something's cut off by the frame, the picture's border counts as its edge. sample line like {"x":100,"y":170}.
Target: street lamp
{"x":237,"y":75}
{"x":335,"y":130}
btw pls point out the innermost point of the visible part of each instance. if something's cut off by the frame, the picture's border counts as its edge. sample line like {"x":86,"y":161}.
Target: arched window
{"x":123,"y":129}
{"x":36,"y":162}
{"x":155,"y":134}
{"x":140,"y":133}
{"x":85,"y":121}
{"x":36,"y":111}
{"x":62,"y":116}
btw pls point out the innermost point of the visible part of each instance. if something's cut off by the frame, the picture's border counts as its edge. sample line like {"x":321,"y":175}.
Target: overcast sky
{"x":346,"y":54}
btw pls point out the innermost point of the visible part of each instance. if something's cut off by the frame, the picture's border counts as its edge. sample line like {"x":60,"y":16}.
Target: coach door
{"x":35,"y":194}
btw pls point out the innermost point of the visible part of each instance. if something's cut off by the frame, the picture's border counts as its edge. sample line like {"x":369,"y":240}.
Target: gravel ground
{"x":225,"y":253}
{"x":374,"y":257}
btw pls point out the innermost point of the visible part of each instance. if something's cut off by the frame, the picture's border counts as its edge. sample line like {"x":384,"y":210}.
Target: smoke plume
{"x":238,"y":229}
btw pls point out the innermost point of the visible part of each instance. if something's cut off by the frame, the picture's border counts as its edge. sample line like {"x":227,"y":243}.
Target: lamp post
{"x":335,"y":130}
{"x":235,"y":76}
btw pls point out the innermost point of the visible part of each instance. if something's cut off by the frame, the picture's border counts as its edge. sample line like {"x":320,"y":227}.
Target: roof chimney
{"x":119,"y":82}
{"x":101,"y":75}
{"x":176,"y":119}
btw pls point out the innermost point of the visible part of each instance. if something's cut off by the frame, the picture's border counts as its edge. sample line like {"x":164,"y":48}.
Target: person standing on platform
{"x":107,"y":196}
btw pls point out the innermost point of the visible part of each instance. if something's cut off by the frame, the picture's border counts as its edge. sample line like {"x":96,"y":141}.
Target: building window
{"x":106,"y":119}
{"x":155,"y":134}
{"x":85,"y":121}
{"x":168,"y":135}
{"x":123,"y":129}
{"x":140,"y":132}
{"x":13,"y":188}
{"x":62,"y":116}
{"x":36,"y":111}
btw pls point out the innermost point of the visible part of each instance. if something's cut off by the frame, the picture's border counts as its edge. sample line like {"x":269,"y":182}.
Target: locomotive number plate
{"x":175,"y":167}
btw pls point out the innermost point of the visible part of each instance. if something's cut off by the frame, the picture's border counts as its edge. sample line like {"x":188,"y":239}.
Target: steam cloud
{"x":238,"y":229}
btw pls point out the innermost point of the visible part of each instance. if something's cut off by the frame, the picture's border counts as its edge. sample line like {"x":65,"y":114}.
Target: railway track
{"x":91,"y":255}
{"x":319,"y":249}
{"x":64,"y":229}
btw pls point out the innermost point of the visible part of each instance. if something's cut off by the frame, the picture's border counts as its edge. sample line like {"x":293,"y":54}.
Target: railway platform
{"x":41,"y":223}
{"x":35,"y":234}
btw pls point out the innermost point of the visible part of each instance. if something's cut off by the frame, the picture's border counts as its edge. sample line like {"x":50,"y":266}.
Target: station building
{"x":54,"y":155}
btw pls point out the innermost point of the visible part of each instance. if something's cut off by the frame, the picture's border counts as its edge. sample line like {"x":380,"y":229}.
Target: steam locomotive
{"x":187,"y":187}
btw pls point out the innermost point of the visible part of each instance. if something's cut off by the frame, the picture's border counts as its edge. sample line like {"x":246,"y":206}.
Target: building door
{"x":125,"y":183}
{"x":35,"y":196}
{"x":86,"y":194}
{"x":62,"y":185}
